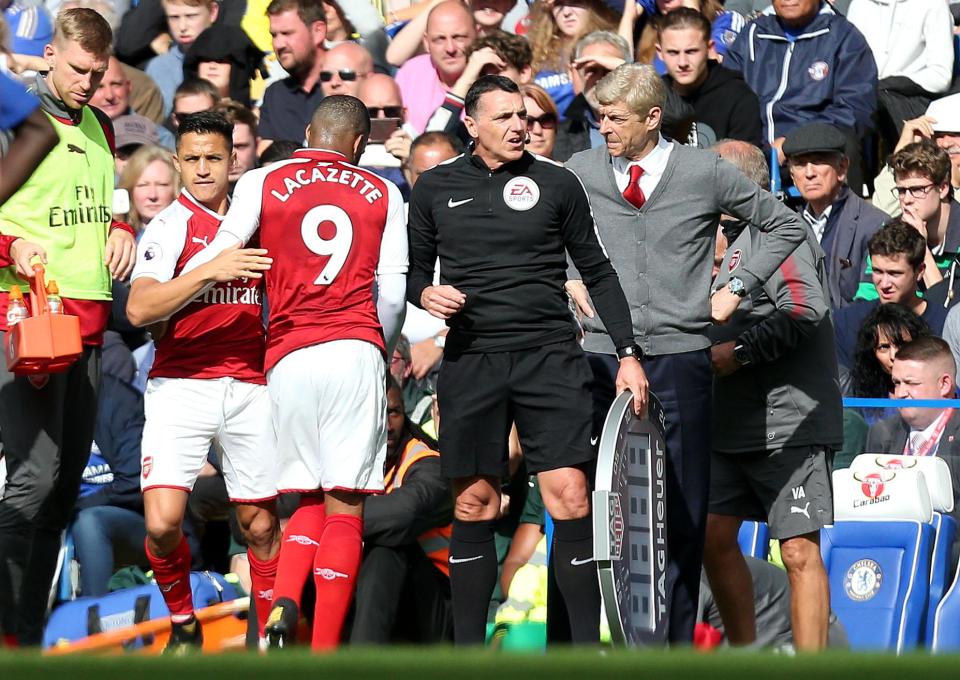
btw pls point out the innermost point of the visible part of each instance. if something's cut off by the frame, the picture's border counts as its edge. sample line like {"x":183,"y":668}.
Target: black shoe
{"x":185,"y":638}
{"x":281,"y":628}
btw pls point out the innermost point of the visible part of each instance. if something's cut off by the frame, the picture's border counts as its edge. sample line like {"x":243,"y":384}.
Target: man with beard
{"x":298,"y":29}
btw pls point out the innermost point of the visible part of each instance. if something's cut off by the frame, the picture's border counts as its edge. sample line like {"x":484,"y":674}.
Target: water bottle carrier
{"x":43,"y":342}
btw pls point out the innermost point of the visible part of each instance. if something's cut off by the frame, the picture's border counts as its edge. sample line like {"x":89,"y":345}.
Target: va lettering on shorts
{"x":798,"y":494}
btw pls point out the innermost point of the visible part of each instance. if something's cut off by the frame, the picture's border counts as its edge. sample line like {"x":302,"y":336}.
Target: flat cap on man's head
{"x":814,"y":138}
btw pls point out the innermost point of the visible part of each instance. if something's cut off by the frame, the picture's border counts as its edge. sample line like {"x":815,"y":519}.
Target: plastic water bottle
{"x":53,"y":298}
{"x":16,"y":307}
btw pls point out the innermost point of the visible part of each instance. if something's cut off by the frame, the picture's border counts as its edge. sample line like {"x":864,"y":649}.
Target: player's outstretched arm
{"x":240,"y":223}
{"x":153,"y":300}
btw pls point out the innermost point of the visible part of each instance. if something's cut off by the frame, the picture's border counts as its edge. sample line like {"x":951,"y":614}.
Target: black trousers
{"x":46,"y":431}
{"x":682,"y":383}
{"x":401,"y":596}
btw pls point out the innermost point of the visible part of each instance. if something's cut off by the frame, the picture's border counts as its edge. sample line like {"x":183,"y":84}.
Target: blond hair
{"x":191,"y":3}
{"x":636,"y":85}
{"x":87,"y":28}
{"x":137,"y":163}
{"x":551,"y":48}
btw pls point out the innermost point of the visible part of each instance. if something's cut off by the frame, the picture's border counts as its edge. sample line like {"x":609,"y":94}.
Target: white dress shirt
{"x":653,"y":164}
{"x":818,"y":224}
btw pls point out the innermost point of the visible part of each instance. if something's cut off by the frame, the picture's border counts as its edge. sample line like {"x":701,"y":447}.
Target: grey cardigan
{"x":663,"y":252}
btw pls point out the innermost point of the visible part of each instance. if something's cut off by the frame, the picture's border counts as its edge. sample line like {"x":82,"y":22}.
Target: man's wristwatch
{"x":632,"y":350}
{"x":736,"y":286}
{"x":741,"y":354}
{"x":440,"y":341}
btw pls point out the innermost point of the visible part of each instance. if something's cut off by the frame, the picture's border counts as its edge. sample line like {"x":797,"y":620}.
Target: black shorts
{"x":789,"y":489}
{"x":545,"y":390}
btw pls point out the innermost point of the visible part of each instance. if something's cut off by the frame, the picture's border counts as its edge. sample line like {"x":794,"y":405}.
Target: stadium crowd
{"x":840,"y":278}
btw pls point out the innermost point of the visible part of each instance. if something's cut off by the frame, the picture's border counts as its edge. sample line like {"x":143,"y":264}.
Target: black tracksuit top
{"x":502,"y":238}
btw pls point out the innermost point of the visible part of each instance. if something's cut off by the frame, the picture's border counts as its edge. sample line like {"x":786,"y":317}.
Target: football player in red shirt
{"x":332,"y":229}
{"x":207,"y":384}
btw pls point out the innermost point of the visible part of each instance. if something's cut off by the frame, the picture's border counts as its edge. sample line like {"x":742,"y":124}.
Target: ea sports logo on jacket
{"x":521,"y":193}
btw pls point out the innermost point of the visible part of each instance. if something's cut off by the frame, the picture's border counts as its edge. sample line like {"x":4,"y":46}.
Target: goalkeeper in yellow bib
{"x":62,"y":216}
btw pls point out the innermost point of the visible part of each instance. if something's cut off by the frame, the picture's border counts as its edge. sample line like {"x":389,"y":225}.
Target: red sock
{"x":300,"y":541}
{"x":172,"y":574}
{"x":335,"y":574}
{"x":262,"y":575}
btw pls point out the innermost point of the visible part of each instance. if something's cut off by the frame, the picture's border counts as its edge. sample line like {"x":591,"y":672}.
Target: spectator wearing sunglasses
{"x":390,"y":136}
{"x":344,"y":69}
{"x":541,"y":120}
{"x":495,"y":54}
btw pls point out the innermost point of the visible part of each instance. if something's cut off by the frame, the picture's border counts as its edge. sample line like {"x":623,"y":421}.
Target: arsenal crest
{"x":734,"y":260}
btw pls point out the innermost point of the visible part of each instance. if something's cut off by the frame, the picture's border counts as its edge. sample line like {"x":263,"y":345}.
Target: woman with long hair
{"x":152,"y":183}
{"x":881,"y":335}
{"x":542,"y":120}
{"x":726,"y":25}
{"x":555,"y":28}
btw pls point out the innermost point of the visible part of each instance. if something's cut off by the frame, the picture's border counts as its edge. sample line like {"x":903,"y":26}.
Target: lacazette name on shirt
{"x":327,"y":172}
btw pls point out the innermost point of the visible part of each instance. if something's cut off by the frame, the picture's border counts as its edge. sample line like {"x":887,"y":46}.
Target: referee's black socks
{"x":576,"y":574}
{"x":473,"y":575}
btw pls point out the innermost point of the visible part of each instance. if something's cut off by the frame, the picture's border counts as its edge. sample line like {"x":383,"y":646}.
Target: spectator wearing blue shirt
{"x":808,"y":64}
{"x":186,"y":20}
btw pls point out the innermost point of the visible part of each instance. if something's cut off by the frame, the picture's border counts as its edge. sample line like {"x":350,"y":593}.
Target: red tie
{"x":633,"y":193}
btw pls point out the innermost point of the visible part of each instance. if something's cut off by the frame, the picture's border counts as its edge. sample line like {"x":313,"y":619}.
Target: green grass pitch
{"x":427,"y":663}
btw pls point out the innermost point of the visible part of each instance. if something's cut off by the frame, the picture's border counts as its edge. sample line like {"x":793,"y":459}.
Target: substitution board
{"x":630,"y":523}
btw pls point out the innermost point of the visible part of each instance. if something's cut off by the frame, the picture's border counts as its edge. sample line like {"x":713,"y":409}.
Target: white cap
{"x":946,"y":111}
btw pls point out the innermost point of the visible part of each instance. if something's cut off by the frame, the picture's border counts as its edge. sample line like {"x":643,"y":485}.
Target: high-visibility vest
{"x":435,"y":542}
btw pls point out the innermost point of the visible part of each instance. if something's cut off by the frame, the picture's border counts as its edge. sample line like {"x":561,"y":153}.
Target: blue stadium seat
{"x":945,"y":528}
{"x":878,"y":574}
{"x":946,"y":621}
{"x":754,"y":539}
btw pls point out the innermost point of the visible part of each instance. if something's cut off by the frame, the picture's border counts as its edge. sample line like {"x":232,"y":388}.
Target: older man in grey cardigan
{"x":657,"y":205}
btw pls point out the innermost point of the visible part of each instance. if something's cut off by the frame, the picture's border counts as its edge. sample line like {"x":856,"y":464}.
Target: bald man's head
{"x":379,"y":92}
{"x":340,"y":123}
{"x":345,"y":67}
{"x":450,"y":29}
{"x":747,"y":158}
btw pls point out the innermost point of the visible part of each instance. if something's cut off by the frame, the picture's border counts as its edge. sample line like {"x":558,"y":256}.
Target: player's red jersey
{"x":322,"y":221}
{"x":220,"y":332}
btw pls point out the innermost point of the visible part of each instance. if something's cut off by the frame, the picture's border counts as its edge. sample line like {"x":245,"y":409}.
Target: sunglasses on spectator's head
{"x":547,"y":121}
{"x":388,"y":111}
{"x":344,"y":73}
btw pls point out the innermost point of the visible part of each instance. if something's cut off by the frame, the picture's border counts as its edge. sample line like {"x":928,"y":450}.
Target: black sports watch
{"x":632,"y":350}
{"x":741,"y":354}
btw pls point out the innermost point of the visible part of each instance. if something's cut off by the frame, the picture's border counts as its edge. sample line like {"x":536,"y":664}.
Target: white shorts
{"x":184,"y":416}
{"x":330,"y":415}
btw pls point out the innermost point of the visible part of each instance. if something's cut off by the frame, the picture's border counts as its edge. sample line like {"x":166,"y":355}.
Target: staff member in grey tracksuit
{"x":777,"y":418}
{"x":657,"y":205}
